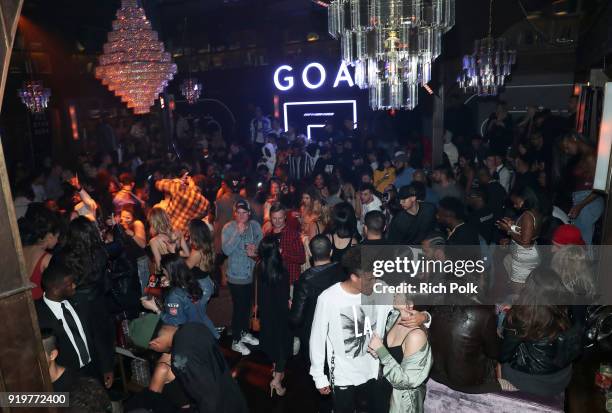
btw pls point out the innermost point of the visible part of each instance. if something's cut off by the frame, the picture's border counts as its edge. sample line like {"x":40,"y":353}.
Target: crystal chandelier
{"x":391,"y":44}
{"x":135,"y":65}
{"x":485,"y":70}
{"x":34,"y":96}
{"x":191,"y":90}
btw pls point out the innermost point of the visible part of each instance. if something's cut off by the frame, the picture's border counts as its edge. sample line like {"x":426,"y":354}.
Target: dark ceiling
{"x":88,"y":21}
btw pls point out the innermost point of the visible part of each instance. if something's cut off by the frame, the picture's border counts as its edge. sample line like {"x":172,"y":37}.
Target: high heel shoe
{"x":276,"y":386}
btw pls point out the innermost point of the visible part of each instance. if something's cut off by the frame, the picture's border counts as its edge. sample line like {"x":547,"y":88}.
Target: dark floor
{"x":254,"y":371}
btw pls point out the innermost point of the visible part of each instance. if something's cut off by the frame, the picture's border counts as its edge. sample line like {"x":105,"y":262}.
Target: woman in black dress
{"x":273,"y":304}
{"x":343,"y":231}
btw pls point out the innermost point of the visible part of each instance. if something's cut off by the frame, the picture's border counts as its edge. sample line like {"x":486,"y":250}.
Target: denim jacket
{"x":240,"y":266}
{"x":179,"y":309}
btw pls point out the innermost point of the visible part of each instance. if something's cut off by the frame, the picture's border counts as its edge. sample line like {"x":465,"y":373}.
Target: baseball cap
{"x":401,"y":157}
{"x":567,"y":234}
{"x":242,"y":204}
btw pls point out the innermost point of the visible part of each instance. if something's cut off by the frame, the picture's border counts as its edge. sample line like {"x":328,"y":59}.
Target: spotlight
{"x":276,"y":107}
{"x":312,"y":37}
{"x":73,"y":122}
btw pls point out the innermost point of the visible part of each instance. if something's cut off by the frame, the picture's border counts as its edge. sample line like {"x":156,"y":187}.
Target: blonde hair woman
{"x":571,"y":262}
{"x":314,"y":216}
{"x":313,"y":213}
{"x":405,"y":357}
{"x":164,"y":239}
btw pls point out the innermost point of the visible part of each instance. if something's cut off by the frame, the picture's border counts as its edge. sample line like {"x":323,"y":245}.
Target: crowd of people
{"x":127,"y":235}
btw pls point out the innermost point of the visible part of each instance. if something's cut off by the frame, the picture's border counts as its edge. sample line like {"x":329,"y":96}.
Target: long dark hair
{"x":271,"y":268}
{"x":181,"y":276}
{"x":536,"y":313}
{"x":37,"y":222}
{"x":343,"y":222}
{"x":84,"y":252}
{"x":202,"y":239}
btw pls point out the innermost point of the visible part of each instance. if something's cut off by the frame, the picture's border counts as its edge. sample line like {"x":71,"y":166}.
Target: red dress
{"x":36,"y":278}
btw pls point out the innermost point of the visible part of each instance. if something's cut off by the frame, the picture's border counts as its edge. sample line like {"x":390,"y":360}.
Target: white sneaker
{"x":249,"y":339}
{"x":239,"y":347}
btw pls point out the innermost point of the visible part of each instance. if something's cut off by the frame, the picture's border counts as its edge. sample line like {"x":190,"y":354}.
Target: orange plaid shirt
{"x":186,"y":202}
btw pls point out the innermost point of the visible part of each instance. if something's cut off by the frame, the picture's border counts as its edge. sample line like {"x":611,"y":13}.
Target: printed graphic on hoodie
{"x":357,"y":330}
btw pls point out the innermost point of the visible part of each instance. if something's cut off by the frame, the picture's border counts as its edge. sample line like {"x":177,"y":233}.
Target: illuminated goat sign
{"x":313,"y":76}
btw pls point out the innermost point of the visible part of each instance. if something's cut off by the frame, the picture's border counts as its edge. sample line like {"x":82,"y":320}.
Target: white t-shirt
{"x":344,"y":326}
{"x":375,"y":205}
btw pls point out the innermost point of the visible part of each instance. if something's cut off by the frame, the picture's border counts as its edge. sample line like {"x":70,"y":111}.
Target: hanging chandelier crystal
{"x":392,"y":44}
{"x":34,"y":96}
{"x":191,"y":90}
{"x":485,"y":70}
{"x":135,"y":65}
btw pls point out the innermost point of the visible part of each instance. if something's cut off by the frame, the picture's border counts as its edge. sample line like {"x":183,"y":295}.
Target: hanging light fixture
{"x":191,"y":90}
{"x":190,"y":87}
{"x":135,"y":65}
{"x":485,"y":70}
{"x":34,"y":95}
{"x":392,"y":44}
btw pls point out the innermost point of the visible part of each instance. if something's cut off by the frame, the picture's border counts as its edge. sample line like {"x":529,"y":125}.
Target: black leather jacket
{"x":465,"y":347}
{"x":544,"y":356}
{"x":307,"y":289}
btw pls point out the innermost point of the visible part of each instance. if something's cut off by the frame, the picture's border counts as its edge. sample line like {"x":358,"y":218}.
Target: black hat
{"x":242,"y":204}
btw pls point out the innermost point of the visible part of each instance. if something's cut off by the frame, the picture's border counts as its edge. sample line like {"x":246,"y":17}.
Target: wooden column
{"x":23,"y":366}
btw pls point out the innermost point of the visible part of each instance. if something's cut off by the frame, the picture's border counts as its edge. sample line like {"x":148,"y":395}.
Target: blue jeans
{"x":588,"y":216}
{"x":208,"y":289}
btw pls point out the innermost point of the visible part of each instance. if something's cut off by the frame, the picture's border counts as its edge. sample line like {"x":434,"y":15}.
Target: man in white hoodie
{"x":342,"y":328}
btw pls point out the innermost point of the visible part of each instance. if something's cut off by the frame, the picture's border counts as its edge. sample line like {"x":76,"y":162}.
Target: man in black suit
{"x":81,"y":347}
{"x":323,"y":274}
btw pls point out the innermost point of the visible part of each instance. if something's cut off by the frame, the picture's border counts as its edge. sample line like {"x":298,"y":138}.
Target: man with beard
{"x":417,"y":218}
{"x":403,"y":170}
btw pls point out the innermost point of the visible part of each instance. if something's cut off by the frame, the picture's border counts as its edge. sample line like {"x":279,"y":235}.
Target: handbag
{"x":255,"y":323}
